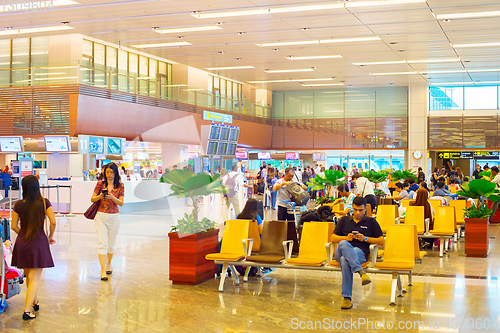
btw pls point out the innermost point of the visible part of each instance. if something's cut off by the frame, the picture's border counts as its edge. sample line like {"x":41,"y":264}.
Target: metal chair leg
{"x":223,"y":277}
{"x":393,"y":288}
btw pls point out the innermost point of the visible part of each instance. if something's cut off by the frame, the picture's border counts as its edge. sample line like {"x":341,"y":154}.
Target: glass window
{"x":39,"y":51}
{"x":153,"y":65}
{"x":359,"y":103}
{"x":122,"y":62}
{"x":99,"y":52}
{"x":446,"y":98}
{"x":133,"y":63}
{"x":87,"y":48}
{"x":329,"y":104}
{"x":484,"y":97}
{"x":5,"y":53}
{"x":162,"y":68}
{"x":398,"y":163}
{"x":143,"y":66}
{"x":392,"y":102}
{"x":111,"y":58}
{"x":20,"y":59}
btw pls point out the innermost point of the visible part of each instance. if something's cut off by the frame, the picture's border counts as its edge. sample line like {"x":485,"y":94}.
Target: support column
{"x":417,"y":127}
{"x":173,"y":155}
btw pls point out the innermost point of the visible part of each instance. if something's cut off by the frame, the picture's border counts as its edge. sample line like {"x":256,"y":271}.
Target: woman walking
{"x":109,"y":191}
{"x":32,"y":251}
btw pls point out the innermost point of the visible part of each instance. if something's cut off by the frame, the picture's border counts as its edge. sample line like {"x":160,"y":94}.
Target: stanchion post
{"x":10,"y":203}
{"x":58,"y":204}
{"x":70,"y":197}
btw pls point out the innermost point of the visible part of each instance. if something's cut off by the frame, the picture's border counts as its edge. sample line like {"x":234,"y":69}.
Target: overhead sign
{"x":468,"y":154}
{"x":219,"y":117}
{"x":486,"y":155}
{"x":450,"y":154}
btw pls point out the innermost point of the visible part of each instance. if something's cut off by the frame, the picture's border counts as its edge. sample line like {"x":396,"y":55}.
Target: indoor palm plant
{"x":476,"y":216}
{"x":332,"y":178}
{"x":192,"y":239}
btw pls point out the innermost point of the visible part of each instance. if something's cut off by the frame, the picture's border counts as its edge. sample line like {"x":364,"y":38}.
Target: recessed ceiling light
{"x":155,"y":28}
{"x":342,"y":81}
{"x":219,"y":23}
{"x":240,"y":33}
{"x":393,"y":43}
{"x":401,"y":51}
{"x":447,"y":20}
{"x":180,"y":37}
{"x":8,"y":28}
{"x":237,"y":59}
{"x":362,"y":65}
{"x":276,"y":50}
{"x":34,"y":30}
{"x":467,"y":61}
{"x":65,"y":22}
{"x":186,"y":29}
{"x":229,"y":67}
{"x":313,"y":67}
{"x":321,"y":41}
{"x":288,"y":70}
{"x":476,"y":45}
{"x":468,"y":15}
{"x":290,"y":9}
{"x":313,"y":57}
{"x":144,"y":46}
{"x":220,"y":52}
{"x":304,"y":29}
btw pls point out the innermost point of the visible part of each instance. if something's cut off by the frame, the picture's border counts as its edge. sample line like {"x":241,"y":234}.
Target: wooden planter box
{"x":187,"y":264}
{"x":476,"y":237}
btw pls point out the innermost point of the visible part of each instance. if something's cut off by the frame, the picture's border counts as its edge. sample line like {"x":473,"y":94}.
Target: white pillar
{"x":171,"y":155}
{"x":417,"y":127}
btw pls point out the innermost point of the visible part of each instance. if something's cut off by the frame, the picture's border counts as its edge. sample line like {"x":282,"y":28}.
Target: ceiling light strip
{"x":291,"y":9}
{"x":476,"y":45}
{"x":321,"y":41}
{"x":468,"y":15}
{"x":229,"y":67}
{"x":289,"y":70}
{"x":314,"y":57}
{"x":145,"y":46}
{"x":293,"y":80}
{"x":187,"y":29}
{"x":428,"y":61}
{"x":35,"y":30}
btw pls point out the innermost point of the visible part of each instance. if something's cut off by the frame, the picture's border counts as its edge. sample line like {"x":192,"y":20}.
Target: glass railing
{"x":151,"y":86}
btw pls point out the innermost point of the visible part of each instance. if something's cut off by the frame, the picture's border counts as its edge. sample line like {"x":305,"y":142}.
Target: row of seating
{"x":316,"y":250}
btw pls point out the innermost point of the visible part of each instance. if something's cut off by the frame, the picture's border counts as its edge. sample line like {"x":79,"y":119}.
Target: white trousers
{"x":106,"y":227}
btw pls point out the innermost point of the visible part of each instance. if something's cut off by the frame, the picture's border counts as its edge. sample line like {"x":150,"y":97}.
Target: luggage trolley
{"x":295,"y":210}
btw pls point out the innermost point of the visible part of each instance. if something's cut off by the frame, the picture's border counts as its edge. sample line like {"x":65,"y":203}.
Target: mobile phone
{"x":105,"y":192}
{"x":355,"y":232}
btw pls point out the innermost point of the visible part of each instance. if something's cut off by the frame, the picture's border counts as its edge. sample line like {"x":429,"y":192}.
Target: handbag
{"x":92,"y":210}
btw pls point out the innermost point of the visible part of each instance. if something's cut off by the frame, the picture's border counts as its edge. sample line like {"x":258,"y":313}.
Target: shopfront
{"x":466,"y":160}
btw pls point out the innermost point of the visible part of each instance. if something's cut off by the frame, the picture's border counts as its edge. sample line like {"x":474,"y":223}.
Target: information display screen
{"x":57,"y":144}
{"x":142,"y":155}
{"x":96,"y":145}
{"x":212,"y":147}
{"x":231,"y":149}
{"x":241,"y":155}
{"x":214,"y":132}
{"x":292,"y":156}
{"x":114,"y":146}
{"x":11,"y":144}
{"x":221,"y":150}
{"x":234,"y":134}
{"x":318,"y":157}
{"x":264,"y":155}
{"x":224,"y":133}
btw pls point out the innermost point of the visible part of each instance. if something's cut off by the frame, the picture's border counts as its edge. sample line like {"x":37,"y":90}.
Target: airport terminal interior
{"x":219,"y":120}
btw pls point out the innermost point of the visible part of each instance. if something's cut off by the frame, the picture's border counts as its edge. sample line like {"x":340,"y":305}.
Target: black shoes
{"x":36,"y":306}
{"x":28,"y":316}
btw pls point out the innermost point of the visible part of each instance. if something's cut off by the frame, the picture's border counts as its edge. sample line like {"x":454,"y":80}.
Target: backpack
{"x":299,"y":196}
{"x":305,"y":177}
{"x":231,"y":185}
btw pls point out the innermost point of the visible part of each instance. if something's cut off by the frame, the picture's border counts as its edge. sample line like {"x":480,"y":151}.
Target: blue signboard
{"x":219,"y":117}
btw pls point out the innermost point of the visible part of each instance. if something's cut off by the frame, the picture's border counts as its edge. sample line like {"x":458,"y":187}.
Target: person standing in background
{"x":109,"y":192}
{"x":476,"y":172}
{"x":31,"y":250}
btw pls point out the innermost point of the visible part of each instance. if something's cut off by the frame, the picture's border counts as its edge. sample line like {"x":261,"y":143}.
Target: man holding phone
{"x":354,"y":234}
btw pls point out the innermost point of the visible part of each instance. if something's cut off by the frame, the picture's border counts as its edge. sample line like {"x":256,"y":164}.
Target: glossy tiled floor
{"x":140,"y":298}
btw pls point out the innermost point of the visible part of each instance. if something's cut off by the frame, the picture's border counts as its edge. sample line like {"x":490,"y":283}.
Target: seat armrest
{"x":288,"y":247}
{"x":247,"y":246}
{"x":373,"y":253}
{"x":329,"y":251}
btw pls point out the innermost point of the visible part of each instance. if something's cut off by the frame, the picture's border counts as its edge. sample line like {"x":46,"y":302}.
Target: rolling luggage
{"x":267,"y":199}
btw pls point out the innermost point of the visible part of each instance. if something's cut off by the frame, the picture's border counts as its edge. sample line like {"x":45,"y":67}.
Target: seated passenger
{"x":454,"y":184}
{"x":251,"y":212}
{"x":441,"y":179}
{"x":347,"y":198}
{"x":413,"y":186}
{"x":441,"y":191}
{"x":354,"y":234}
{"x":402,"y":193}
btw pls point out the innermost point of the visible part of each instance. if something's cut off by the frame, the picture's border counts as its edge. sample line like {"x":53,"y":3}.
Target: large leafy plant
{"x":375,"y":176}
{"x":190,"y":225}
{"x":403,"y":175}
{"x":479,"y":189}
{"x":332,"y":178}
{"x":187,"y":184}
{"x":486,"y":175}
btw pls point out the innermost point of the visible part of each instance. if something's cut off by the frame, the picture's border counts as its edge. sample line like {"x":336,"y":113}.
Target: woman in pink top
{"x":109,"y":191}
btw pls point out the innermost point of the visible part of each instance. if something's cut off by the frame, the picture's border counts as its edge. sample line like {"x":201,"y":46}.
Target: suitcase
{"x":267,"y":199}
{"x":4,"y":230}
{"x":260,"y":207}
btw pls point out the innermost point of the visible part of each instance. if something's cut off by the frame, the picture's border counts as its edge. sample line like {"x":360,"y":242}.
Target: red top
{"x":107,"y":205}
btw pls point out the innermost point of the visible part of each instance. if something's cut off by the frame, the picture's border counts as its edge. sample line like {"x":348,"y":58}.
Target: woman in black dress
{"x":32,"y":251}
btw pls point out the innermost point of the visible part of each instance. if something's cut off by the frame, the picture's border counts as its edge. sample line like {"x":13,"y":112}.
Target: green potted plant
{"x":192,"y":239}
{"x":476,"y":216}
{"x":377,"y":177}
{"x":332,"y":178}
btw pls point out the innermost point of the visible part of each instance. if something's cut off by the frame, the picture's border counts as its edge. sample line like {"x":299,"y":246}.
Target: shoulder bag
{"x":92,"y":210}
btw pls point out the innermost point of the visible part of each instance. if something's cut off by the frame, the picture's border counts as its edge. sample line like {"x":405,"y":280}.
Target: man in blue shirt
{"x":413,"y":186}
{"x":441,"y":191}
{"x":347,"y":198}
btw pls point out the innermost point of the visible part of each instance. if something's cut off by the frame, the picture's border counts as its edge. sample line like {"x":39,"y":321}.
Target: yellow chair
{"x":416,"y":215}
{"x":314,"y":244}
{"x":406,"y":202}
{"x":386,"y":216}
{"x":459,"y":205}
{"x":453,"y":190}
{"x":232,"y":248}
{"x":444,"y":225}
{"x":253,"y":233}
{"x":418,"y":254}
{"x":399,"y":255}
{"x":435,"y":203}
